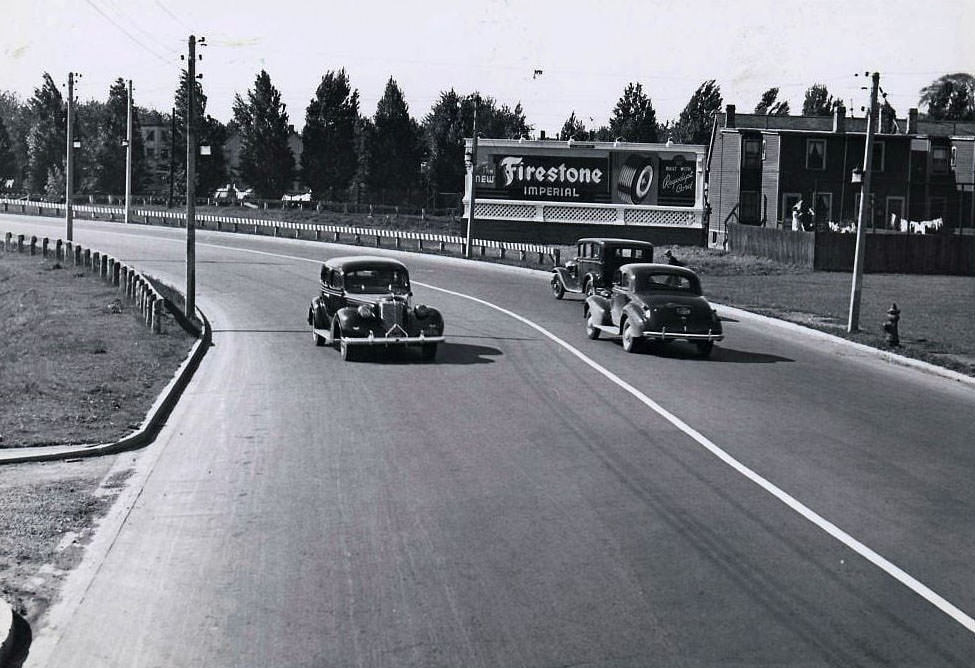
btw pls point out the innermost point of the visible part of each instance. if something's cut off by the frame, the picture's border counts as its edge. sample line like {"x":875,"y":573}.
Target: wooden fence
{"x":883,"y":254}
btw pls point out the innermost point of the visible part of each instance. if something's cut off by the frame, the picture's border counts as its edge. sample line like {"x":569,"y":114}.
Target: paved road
{"x":512,"y":505}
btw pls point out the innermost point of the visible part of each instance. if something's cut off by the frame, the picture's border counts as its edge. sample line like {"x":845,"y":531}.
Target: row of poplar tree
{"x":389,"y":157}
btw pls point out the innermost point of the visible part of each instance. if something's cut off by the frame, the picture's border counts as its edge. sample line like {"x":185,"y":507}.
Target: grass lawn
{"x":76,"y":366}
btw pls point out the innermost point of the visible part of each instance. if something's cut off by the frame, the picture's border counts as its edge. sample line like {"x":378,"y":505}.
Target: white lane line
{"x":876,"y":559}
{"x":884,"y":564}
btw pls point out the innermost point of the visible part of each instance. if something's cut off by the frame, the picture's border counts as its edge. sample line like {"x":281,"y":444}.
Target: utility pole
{"x":172,"y":157}
{"x":190,"y":183}
{"x":853,"y":324}
{"x":470,"y":211}
{"x":69,"y":162}
{"x":128,"y":156}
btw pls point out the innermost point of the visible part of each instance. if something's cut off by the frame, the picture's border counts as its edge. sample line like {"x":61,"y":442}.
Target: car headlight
{"x":365,"y":311}
{"x":422,"y":311}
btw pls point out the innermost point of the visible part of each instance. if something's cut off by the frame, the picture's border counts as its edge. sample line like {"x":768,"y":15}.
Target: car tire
{"x":592,"y":331}
{"x":428,"y":351}
{"x":319,"y":339}
{"x":632,"y":341}
{"x":346,"y":351}
{"x":557,"y":288}
{"x":704,"y":348}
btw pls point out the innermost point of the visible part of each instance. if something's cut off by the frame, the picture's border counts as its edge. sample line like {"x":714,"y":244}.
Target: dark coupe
{"x":654,"y":302}
{"x":365,"y":302}
{"x":596,"y":260}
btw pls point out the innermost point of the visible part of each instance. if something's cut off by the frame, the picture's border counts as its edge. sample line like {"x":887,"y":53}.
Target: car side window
{"x":582,"y":250}
{"x":336,"y":281}
{"x":595,"y":251}
{"x":619,"y":278}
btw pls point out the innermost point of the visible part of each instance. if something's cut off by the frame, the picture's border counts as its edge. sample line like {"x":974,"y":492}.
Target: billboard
{"x":587,"y":176}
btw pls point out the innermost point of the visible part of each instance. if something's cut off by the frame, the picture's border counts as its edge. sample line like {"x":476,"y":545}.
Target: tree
{"x":696,"y":120}
{"x":211,"y":170}
{"x":451,"y":120}
{"x":818,"y":101}
{"x":634,"y":118}
{"x":396,"y":148}
{"x":15,"y":115}
{"x":770,"y":105}
{"x":328,"y":159}
{"x":8,"y":163}
{"x":47,"y":137}
{"x":266,"y":161}
{"x":573,"y":128}
{"x":109,"y":164}
{"x":950,"y":97}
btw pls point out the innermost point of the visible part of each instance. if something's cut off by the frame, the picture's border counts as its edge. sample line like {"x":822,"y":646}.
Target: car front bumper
{"x":372,"y":340}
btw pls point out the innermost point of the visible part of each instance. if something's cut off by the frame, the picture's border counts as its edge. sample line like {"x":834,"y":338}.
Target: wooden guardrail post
{"x":7,"y":243}
{"x":33,"y":245}
{"x":123,"y":274}
{"x":44,"y":244}
{"x":157,"y":312}
{"x":59,"y":251}
{"x":95,"y":261}
{"x":20,"y":243}
{"x":86,"y":258}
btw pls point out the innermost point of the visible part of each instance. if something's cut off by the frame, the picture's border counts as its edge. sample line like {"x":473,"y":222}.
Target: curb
{"x":147,"y":431}
{"x":887,"y":356}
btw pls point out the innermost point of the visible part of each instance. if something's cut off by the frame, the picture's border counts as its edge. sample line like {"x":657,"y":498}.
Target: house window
{"x":879,"y":153}
{"x":751,"y":153}
{"x":748,"y":210}
{"x":815,"y":154}
{"x":939,"y":159}
{"x":822,"y":208}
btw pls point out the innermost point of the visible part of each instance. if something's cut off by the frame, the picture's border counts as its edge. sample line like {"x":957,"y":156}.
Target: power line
{"x":127,"y":33}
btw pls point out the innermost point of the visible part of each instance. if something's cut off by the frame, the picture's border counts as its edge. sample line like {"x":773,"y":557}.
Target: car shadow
{"x":447,"y":353}
{"x":719,"y":353}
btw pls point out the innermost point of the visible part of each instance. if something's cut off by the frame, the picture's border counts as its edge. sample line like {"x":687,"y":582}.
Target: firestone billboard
{"x":646,"y":177}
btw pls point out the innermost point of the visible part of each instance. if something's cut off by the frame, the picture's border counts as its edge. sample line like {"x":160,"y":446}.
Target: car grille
{"x":392,"y":313}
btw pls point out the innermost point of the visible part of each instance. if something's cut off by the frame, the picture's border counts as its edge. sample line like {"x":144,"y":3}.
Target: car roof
{"x":610,"y":241}
{"x":656,"y":268}
{"x":352,"y":262}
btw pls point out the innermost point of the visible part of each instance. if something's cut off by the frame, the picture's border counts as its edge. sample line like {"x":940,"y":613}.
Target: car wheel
{"x":631,"y":339}
{"x":704,"y":348}
{"x":346,"y":351}
{"x":557,"y":288}
{"x":591,"y":330}
{"x":319,"y":339}
{"x":428,"y":351}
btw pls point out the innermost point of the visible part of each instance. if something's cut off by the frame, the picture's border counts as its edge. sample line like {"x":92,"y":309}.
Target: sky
{"x":587,"y":51}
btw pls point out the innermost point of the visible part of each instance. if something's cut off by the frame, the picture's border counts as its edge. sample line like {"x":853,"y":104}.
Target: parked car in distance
{"x":366,"y":302}
{"x":596,"y":260}
{"x":653,"y":302}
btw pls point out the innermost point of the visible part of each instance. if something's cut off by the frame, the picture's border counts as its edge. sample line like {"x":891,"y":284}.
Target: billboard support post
{"x":470,"y":211}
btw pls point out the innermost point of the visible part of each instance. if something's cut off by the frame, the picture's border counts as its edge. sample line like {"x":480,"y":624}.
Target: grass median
{"x":77,"y":366}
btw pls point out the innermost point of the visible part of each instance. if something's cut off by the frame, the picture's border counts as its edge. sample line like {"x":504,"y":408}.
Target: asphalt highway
{"x":531,"y":498}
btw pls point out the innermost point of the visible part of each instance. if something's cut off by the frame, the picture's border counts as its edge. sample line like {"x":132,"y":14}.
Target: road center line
{"x":846,"y":539}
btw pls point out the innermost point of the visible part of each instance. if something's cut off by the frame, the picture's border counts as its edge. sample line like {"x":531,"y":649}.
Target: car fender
{"x":317,"y":316}
{"x":349,"y":317}
{"x":426,"y":316}
{"x":635,"y":315}
{"x":568,"y":281}
{"x":598,"y":308}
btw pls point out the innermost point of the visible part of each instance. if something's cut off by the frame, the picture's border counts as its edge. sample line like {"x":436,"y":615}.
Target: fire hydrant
{"x":890,"y":327}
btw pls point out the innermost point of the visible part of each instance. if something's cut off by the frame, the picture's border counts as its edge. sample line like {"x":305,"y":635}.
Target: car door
{"x":621,"y":295}
{"x":588,"y":261}
{"x":333,"y":295}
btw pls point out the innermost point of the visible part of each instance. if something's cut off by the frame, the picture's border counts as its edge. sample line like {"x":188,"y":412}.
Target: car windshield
{"x":377,"y":280}
{"x":663,"y":281}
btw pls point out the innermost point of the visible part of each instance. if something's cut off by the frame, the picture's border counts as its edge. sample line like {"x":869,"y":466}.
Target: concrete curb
{"x":6,"y":632}
{"x":146,"y":432}
{"x":885,"y":355}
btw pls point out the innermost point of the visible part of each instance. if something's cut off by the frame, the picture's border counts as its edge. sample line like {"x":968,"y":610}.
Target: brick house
{"x":760,"y":166}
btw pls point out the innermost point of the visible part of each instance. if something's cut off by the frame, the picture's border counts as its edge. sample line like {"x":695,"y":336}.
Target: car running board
{"x":608,"y":329}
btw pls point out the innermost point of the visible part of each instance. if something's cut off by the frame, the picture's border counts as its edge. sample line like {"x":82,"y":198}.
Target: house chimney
{"x":729,"y":118}
{"x":912,"y":121}
{"x":886,"y":119}
{"x":839,"y":118}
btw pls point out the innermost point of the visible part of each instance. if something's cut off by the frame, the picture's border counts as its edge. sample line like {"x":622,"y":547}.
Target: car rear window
{"x":378,"y":280}
{"x":633,"y":253}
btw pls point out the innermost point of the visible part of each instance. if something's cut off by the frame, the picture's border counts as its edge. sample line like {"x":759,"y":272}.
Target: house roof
{"x":925,"y":127}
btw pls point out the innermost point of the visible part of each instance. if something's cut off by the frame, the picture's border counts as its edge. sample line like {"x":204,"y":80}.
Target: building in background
{"x":760,"y":167}
{"x":156,"y":147}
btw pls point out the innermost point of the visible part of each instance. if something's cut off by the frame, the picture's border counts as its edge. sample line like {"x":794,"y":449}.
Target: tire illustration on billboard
{"x":635,"y":179}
